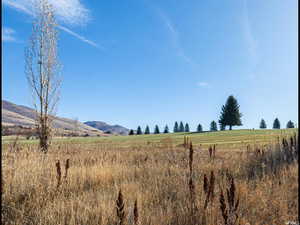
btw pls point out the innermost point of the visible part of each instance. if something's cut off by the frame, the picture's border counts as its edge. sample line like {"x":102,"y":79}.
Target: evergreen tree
{"x":166,"y":129}
{"x":131,"y":132}
{"x":222,"y":126}
{"x":147,"y":130}
{"x":262,"y":124}
{"x":156,"y":130}
{"x":175,"y":127}
{"x":230,"y":114}
{"x":290,"y":124}
{"x":181,"y":127}
{"x":199,"y":128}
{"x":276,"y":124}
{"x":187,"y":128}
{"x":139,"y":130}
{"x":213,"y":126}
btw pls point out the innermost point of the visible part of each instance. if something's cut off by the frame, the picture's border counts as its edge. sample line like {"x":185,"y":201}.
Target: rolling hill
{"x":19,"y":115}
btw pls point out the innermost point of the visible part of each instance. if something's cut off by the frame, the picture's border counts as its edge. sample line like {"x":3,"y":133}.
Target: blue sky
{"x":139,"y":62}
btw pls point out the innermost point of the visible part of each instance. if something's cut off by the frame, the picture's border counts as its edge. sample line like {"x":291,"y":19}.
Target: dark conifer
{"x":290,"y":124}
{"x":276,"y":124}
{"x":147,"y":130}
{"x":199,"y":128}
{"x":187,"y":128}
{"x":166,"y":129}
{"x":139,"y":130}
{"x":175,"y":127}
{"x":213,"y":126}
{"x":262,"y":124}
{"x":156,"y":130}
{"x":181,"y":127}
{"x":230,"y":114}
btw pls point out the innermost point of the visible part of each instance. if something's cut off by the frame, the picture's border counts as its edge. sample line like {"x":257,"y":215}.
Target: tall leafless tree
{"x":42,"y":70}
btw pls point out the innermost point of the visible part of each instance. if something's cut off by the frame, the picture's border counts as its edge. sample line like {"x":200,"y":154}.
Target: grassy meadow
{"x":247,"y":177}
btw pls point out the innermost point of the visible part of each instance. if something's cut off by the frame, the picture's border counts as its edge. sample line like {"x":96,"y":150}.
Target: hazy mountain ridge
{"x":114,"y":129}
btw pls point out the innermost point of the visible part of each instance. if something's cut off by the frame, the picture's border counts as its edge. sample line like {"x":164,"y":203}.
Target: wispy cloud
{"x":174,"y":34}
{"x":67,"y":11}
{"x":202,"y":84}
{"x":70,"y":12}
{"x":8,"y":34}
{"x":80,"y":37}
{"x":249,"y":37}
{"x":16,"y":5}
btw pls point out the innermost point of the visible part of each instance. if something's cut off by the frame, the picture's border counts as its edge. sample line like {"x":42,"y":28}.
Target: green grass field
{"x":234,"y":139}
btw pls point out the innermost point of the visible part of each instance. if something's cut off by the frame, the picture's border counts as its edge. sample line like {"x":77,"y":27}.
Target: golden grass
{"x":155,"y":182}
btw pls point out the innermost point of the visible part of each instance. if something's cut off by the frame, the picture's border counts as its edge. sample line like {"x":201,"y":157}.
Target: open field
{"x":167,"y":179}
{"x":227,"y":139}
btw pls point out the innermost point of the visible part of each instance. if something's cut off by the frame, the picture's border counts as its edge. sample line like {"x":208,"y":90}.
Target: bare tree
{"x":42,"y":70}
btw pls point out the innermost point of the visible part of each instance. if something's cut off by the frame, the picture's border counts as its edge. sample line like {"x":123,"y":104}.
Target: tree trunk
{"x":230,"y":127}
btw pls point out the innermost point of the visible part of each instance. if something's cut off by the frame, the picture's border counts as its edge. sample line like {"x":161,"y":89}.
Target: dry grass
{"x":163,"y":184}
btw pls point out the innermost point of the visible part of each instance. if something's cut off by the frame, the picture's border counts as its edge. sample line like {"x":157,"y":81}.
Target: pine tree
{"x":230,"y":114}
{"x":290,"y":124}
{"x":187,"y":128}
{"x":262,"y":124}
{"x":166,"y":129}
{"x":147,"y":130}
{"x":276,"y":124}
{"x":213,"y":126}
{"x":156,"y":130}
{"x":139,"y":130}
{"x":175,"y":127}
{"x":181,"y":127}
{"x":131,"y":132}
{"x":199,"y":128}
{"x":222,"y":126}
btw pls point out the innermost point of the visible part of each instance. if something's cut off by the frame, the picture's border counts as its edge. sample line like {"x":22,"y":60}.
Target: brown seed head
{"x":58,"y":171}
{"x":231,"y":194}
{"x":67,"y":166}
{"x":120,"y":208}
{"x":211,"y":185}
{"x":223,"y":207}
{"x":136,"y":213}
{"x":191,"y":158}
{"x":205,"y":184}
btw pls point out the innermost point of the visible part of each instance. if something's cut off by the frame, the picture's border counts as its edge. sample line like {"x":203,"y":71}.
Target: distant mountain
{"x":18,"y":115}
{"x":114,"y":129}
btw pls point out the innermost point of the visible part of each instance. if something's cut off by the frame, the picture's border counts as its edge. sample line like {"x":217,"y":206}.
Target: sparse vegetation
{"x":225,"y":177}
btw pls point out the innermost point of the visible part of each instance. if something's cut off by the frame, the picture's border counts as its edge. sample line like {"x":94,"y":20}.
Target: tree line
{"x":276,"y":124}
{"x":230,"y":116}
{"x":177,"y":128}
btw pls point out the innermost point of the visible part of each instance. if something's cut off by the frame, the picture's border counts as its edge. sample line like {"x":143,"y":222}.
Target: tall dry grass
{"x":102,"y":183}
